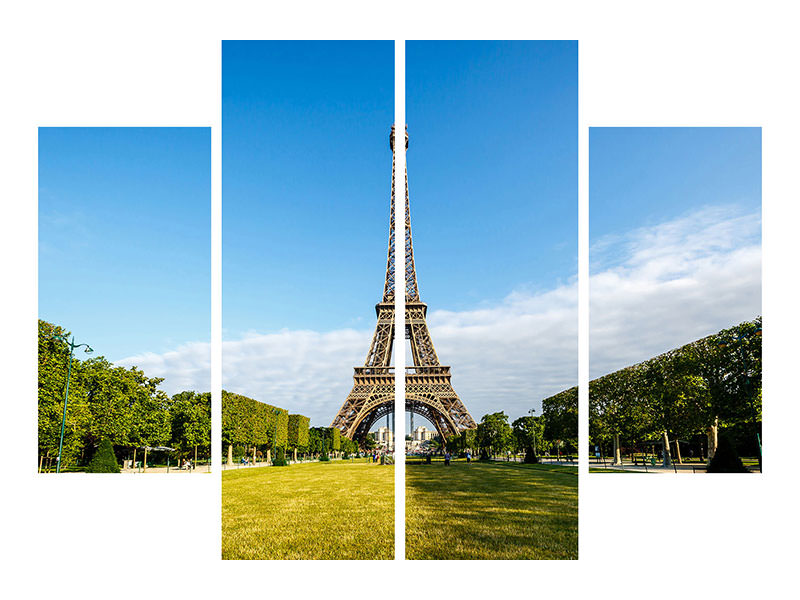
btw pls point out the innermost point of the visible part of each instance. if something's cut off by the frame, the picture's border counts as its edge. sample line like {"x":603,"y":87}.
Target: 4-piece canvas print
{"x":311,"y":186}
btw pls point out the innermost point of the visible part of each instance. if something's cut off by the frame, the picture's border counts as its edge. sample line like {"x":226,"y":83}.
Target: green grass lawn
{"x":335,"y":510}
{"x":491,"y":511}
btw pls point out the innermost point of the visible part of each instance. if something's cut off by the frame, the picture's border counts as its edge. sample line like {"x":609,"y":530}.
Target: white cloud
{"x":662,"y":286}
{"x":511,"y":356}
{"x":652,"y":290}
{"x":186,"y":368}
{"x":503,"y":358}
{"x":306,"y":372}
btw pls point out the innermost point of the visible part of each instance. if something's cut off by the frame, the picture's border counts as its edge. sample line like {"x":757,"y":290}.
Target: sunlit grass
{"x":491,"y":511}
{"x":335,"y":510}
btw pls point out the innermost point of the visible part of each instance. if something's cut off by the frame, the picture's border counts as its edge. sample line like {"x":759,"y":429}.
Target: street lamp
{"x":738,"y":342}
{"x":277,"y":412}
{"x":533,"y":424}
{"x":72,"y":345}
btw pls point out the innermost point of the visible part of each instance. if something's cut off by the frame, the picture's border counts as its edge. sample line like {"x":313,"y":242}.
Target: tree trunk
{"x":145,"y":459}
{"x":678,"y":452}
{"x":294,"y":457}
{"x":617,"y":452}
{"x":230,"y":455}
{"x":711,"y":436}
{"x":254,"y":455}
{"x":665,"y":444}
{"x":134,"y":458}
{"x":194,"y":466}
{"x":269,"y":456}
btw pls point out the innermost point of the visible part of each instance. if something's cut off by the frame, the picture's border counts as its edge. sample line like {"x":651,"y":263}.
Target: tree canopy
{"x":107,"y":402}
{"x":690,"y":390}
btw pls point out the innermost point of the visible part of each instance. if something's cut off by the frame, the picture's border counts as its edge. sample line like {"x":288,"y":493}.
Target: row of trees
{"x":556,"y":430}
{"x":698,"y":389}
{"x":258,"y":430}
{"x":112,"y":403}
{"x":253,"y":425}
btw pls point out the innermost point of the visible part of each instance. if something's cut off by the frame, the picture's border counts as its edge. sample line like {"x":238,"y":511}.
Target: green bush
{"x":280,"y":458}
{"x":103,"y":460}
{"x":725,"y":459}
{"x":530,"y":457}
{"x":324,"y":458}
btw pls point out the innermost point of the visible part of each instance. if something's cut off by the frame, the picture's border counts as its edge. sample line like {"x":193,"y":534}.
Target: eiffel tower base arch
{"x":420,"y":404}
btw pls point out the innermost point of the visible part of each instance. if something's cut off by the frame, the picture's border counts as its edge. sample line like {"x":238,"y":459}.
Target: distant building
{"x":423,"y":434}
{"x":420,"y":439}
{"x":384,"y":437}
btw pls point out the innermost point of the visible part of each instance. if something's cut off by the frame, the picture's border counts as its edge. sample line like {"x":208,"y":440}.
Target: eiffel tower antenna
{"x":429,"y":392}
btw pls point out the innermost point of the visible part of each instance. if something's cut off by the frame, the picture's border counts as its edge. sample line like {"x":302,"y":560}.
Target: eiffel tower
{"x":429,"y":392}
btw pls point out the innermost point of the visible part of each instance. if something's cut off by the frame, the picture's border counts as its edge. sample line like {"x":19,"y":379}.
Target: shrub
{"x":725,"y":459}
{"x":484,"y":454}
{"x":280,"y":458}
{"x":103,"y":460}
{"x":324,"y":458}
{"x":530,"y":457}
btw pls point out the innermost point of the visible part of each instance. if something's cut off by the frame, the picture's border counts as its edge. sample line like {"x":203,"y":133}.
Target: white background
{"x":158,"y":63}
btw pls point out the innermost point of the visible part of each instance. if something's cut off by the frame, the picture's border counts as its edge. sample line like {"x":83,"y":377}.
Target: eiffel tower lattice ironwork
{"x":429,"y":392}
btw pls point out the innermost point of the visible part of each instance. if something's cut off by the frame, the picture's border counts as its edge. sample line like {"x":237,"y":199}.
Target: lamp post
{"x":533,"y":425}
{"x":72,"y":345}
{"x":738,"y":342}
{"x":277,"y":412}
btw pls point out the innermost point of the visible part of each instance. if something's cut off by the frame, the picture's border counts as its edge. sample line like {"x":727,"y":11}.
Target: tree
{"x":616,"y":409}
{"x":103,"y":460}
{"x":190,"y":422}
{"x":700,"y":387}
{"x":674,"y":397}
{"x":726,"y":460}
{"x":315,"y":440}
{"x":333,"y":436}
{"x":121,"y":405}
{"x":151,"y":421}
{"x":348,"y":447}
{"x":454,"y":443}
{"x":111,"y":394}
{"x":52,"y":380}
{"x":470,"y":439}
{"x":528,"y":436}
{"x":560,"y":414}
{"x":298,"y":431}
{"x":250,"y":423}
{"x":494,"y":433}
{"x":730,"y":364}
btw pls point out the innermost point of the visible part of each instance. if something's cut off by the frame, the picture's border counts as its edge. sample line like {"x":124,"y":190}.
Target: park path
{"x":690,"y":468}
{"x":201,"y":469}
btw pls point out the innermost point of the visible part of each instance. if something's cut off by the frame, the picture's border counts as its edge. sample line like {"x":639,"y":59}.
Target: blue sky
{"x":492,"y":166}
{"x":675,"y":232}
{"x":124,"y":247}
{"x":306,"y":182}
{"x":306,"y":189}
{"x":642,"y":176}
